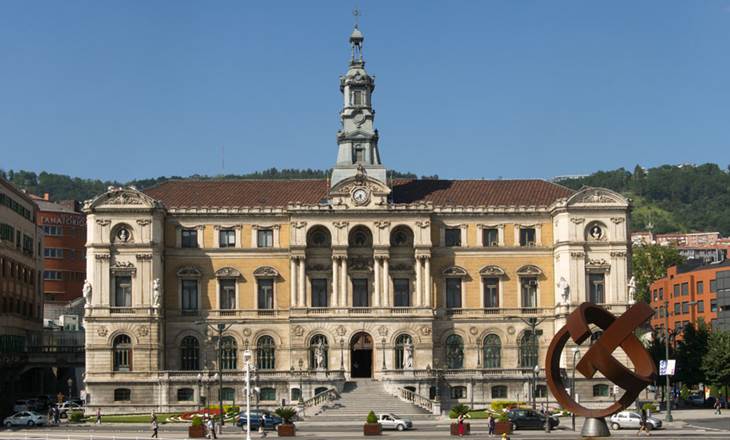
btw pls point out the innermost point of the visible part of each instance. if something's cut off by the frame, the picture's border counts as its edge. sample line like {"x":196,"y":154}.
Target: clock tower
{"x":357,"y":139}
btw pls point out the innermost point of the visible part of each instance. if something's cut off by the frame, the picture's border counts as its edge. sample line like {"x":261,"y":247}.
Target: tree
{"x":650,"y":263}
{"x":693,"y":346}
{"x":716,"y":363}
{"x":657,"y":350}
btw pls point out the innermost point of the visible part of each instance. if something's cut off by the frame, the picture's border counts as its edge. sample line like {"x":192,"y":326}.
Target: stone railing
{"x":323,"y":397}
{"x":501,"y":311}
{"x":415,"y":398}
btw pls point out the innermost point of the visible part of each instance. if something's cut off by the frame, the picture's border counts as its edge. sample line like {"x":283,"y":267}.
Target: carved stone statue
{"x":319,"y":356}
{"x":87,"y":293}
{"x":156,"y":293}
{"x":564,"y":289}
{"x":408,"y":358}
{"x":632,"y":290}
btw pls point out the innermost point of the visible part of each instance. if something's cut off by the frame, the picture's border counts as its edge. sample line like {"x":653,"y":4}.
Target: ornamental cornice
{"x":144,"y":222}
{"x":143,"y":257}
{"x":103,"y":222}
{"x":103,"y":256}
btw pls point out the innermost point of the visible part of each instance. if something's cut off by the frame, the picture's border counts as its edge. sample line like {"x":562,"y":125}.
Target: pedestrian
{"x":718,"y":405}
{"x":98,"y":416}
{"x":643,"y":424}
{"x":460,"y":425}
{"x":155,"y":427}
{"x":492,"y":424}
{"x":56,"y":415}
{"x":51,"y":418}
{"x":262,"y":426}
{"x":211,"y":428}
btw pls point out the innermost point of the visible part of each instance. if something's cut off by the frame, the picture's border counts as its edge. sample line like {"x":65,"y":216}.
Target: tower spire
{"x":357,"y":139}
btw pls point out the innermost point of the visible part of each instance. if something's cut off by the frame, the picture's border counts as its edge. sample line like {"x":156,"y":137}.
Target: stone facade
{"x":324,"y":281}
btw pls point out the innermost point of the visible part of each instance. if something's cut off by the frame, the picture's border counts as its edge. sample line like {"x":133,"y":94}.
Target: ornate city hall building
{"x":430,"y":287}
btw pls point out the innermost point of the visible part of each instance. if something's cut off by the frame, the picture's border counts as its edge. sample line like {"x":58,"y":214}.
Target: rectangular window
{"x":402,"y":292}
{"x":189,"y":295}
{"x":265,"y":238}
{"x":123,"y":291}
{"x":491,"y":293}
{"x":700,"y":306}
{"x":529,"y":292}
{"x":266,"y":293}
{"x":685,"y":307}
{"x":458,"y":392}
{"x":452,"y":237}
{"x":52,"y":275}
{"x":189,"y":238}
{"x":676,"y":308}
{"x":499,"y":392}
{"x":490,"y":237}
{"x":53,"y":252}
{"x":360,"y":294}
{"x":661,"y":293}
{"x":596,"y":288}
{"x":122,"y":395}
{"x":227,"y":238}
{"x":527,"y":236}
{"x":685,"y":289}
{"x":700,"y":287}
{"x":678,"y":326}
{"x":713,"y":305}
{"x":357,"y":98}
{"x":713,"y":286}
{"x":453,"y":293}
{"x":227,"y":293}
{"x":676,"y":290}
{"x":319,"y":292}
{"x":53,"y":230}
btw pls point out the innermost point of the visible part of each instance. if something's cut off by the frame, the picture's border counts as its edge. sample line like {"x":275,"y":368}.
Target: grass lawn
{"x":132,"y":418}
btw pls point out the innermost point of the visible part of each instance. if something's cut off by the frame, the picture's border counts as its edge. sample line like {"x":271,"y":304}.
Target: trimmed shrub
{"x":458,"y":410}
{"x":372,"y":418}
{"x":197,"y":421}
{"x":286,"y":413}
{"x":501,"y":405}
{"x":76,"y":416}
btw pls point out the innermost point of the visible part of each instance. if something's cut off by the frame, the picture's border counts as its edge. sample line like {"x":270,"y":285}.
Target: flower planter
{"x":196,"y":431}
{"x":372,"y":429}
{"x":503,"y":428}
{"x":455,"y":429}
{"x":288,"y":430}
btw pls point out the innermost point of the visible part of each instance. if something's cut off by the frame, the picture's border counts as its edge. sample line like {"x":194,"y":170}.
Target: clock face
{"x":359,"y":118}
{"x":360,"y":196}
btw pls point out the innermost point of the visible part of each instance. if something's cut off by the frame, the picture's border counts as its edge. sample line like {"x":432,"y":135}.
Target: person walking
{"x":460,"y":425}
{"x":262,"y":426}
{"x":56,"y":415}
{"x":98,"y":416}
{"x":643,"y":424}
{"x":718,"y":407}
{"x":211,"y":428}
{"x":492,"y":424}
{"x":155,"y":427}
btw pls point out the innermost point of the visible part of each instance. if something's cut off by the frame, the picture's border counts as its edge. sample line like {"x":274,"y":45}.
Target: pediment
{"x":590,"y":196}
{"x":346,"y":186}
{"x":121,"y":198}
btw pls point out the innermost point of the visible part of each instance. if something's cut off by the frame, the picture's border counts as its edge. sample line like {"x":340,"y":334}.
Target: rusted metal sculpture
{"x":617,"y":332}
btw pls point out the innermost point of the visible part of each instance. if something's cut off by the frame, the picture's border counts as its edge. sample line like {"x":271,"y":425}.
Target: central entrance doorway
{"x":361,"y":355}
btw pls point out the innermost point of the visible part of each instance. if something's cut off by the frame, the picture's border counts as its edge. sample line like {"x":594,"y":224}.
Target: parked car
{"x":255,"y":415}
{"x":630,"y":419}
{"x":529,"y":419}
{"x":65,"y":407}
{"x":392,"y":421}
{"x":25,"y":418}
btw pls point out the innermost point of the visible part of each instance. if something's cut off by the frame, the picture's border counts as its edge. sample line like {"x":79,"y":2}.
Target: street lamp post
{"x":532,"y":323}
{"x":200,"y":385}
{"x":301,"y":386}
{"x":382,"y":342}
{"x":536,"y":371}
{"x":70,"y":383}
{"x":666,"y":356}
{"x":342,"y":354}
{"x":247,"y":366}
{"x":576,"y":352}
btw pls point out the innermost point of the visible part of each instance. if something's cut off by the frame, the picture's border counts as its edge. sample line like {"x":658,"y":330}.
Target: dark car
{"x":271,"y":420}
{"x":529,"y":419}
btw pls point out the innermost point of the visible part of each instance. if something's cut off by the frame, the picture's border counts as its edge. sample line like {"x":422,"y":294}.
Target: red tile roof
{"x":246,"y":193}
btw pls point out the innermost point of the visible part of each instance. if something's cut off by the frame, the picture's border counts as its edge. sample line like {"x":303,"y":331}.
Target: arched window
{"x":454,"y":352}
{"x":403,"y":344}
{"x":185,"y":395}
{"x":122,"y":394}
{"x":189,"y":353}
{"x":265,"y":349}
{"x":319,"y":237}
{"x":318,"y":352}
{"x":122,"y":353}
{"x":360,"y":237}
{"x":499,"y":392}
{"x":268,"y":394}
{"x":402,"y":236}
{"x":229,"y":354}
{"x":528,"y":348}
{"x":600,"y":390}
{"x":492,"y":352}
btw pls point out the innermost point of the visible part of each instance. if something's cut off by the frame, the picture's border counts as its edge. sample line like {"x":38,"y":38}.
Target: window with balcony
{"x":189,"y":353}
{"x":528,"y":287}
{"x":452,"y":237}
{"x":492,"y":351}
{"x":319,"y":292}
{"x":122,"y":348}
{"x":227,"y":293}
{"x":189,"y":238}
{"x":123,"y":291}
{"x":360,"y":294}
{"x":265,"y":293}
{"x":527,"y":237}
{"x":491,"y":293}
{"x":189,"y":290}
{"x":402,"y":292}
{"x":490,"y":237}
{"x":596,"y":288}
{"x":265,"y":238}
{"x":265,"y":353}
{"x":528,"y":350}
{"x":229,"y":354}
{"x":454,"y":352}
{"x":453,"y":293}
{"x":227,"y":238}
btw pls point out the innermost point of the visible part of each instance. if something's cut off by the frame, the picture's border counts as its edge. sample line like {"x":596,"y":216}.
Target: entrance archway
{"x":361,"y":355}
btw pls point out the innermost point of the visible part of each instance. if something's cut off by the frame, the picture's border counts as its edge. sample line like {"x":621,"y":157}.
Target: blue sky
{"x":465,"y":89}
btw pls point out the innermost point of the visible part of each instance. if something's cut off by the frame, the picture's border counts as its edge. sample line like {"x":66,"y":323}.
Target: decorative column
{"x":343,"y":285}
{"x":334,"y":299}
{"x":293,"y":282}
{"x":386,"y":283}
{"x":377,"y":282}
{"x":302,"y":290}
{"x":428,"y":282}
{"x":419,"y":283}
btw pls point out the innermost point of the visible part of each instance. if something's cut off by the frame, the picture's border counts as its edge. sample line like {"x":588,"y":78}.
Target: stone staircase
{"x":358,"y":397}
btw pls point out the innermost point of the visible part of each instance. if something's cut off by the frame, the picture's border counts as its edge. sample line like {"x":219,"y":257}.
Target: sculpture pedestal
{"x":595,"y":428}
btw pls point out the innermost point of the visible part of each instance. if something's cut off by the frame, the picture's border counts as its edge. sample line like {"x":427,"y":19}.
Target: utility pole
{"x":666,"y":356}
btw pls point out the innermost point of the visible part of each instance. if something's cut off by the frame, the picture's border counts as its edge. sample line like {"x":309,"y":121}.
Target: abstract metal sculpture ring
{"x":617,"y":332}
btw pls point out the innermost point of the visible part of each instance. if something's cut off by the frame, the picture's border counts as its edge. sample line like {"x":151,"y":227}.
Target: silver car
{"x":392,"y":421}
{"x":630,"y":419}
{"x":25,"y":418}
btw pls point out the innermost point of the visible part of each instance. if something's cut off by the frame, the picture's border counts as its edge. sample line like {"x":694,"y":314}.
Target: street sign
{"x":667,"y":367}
